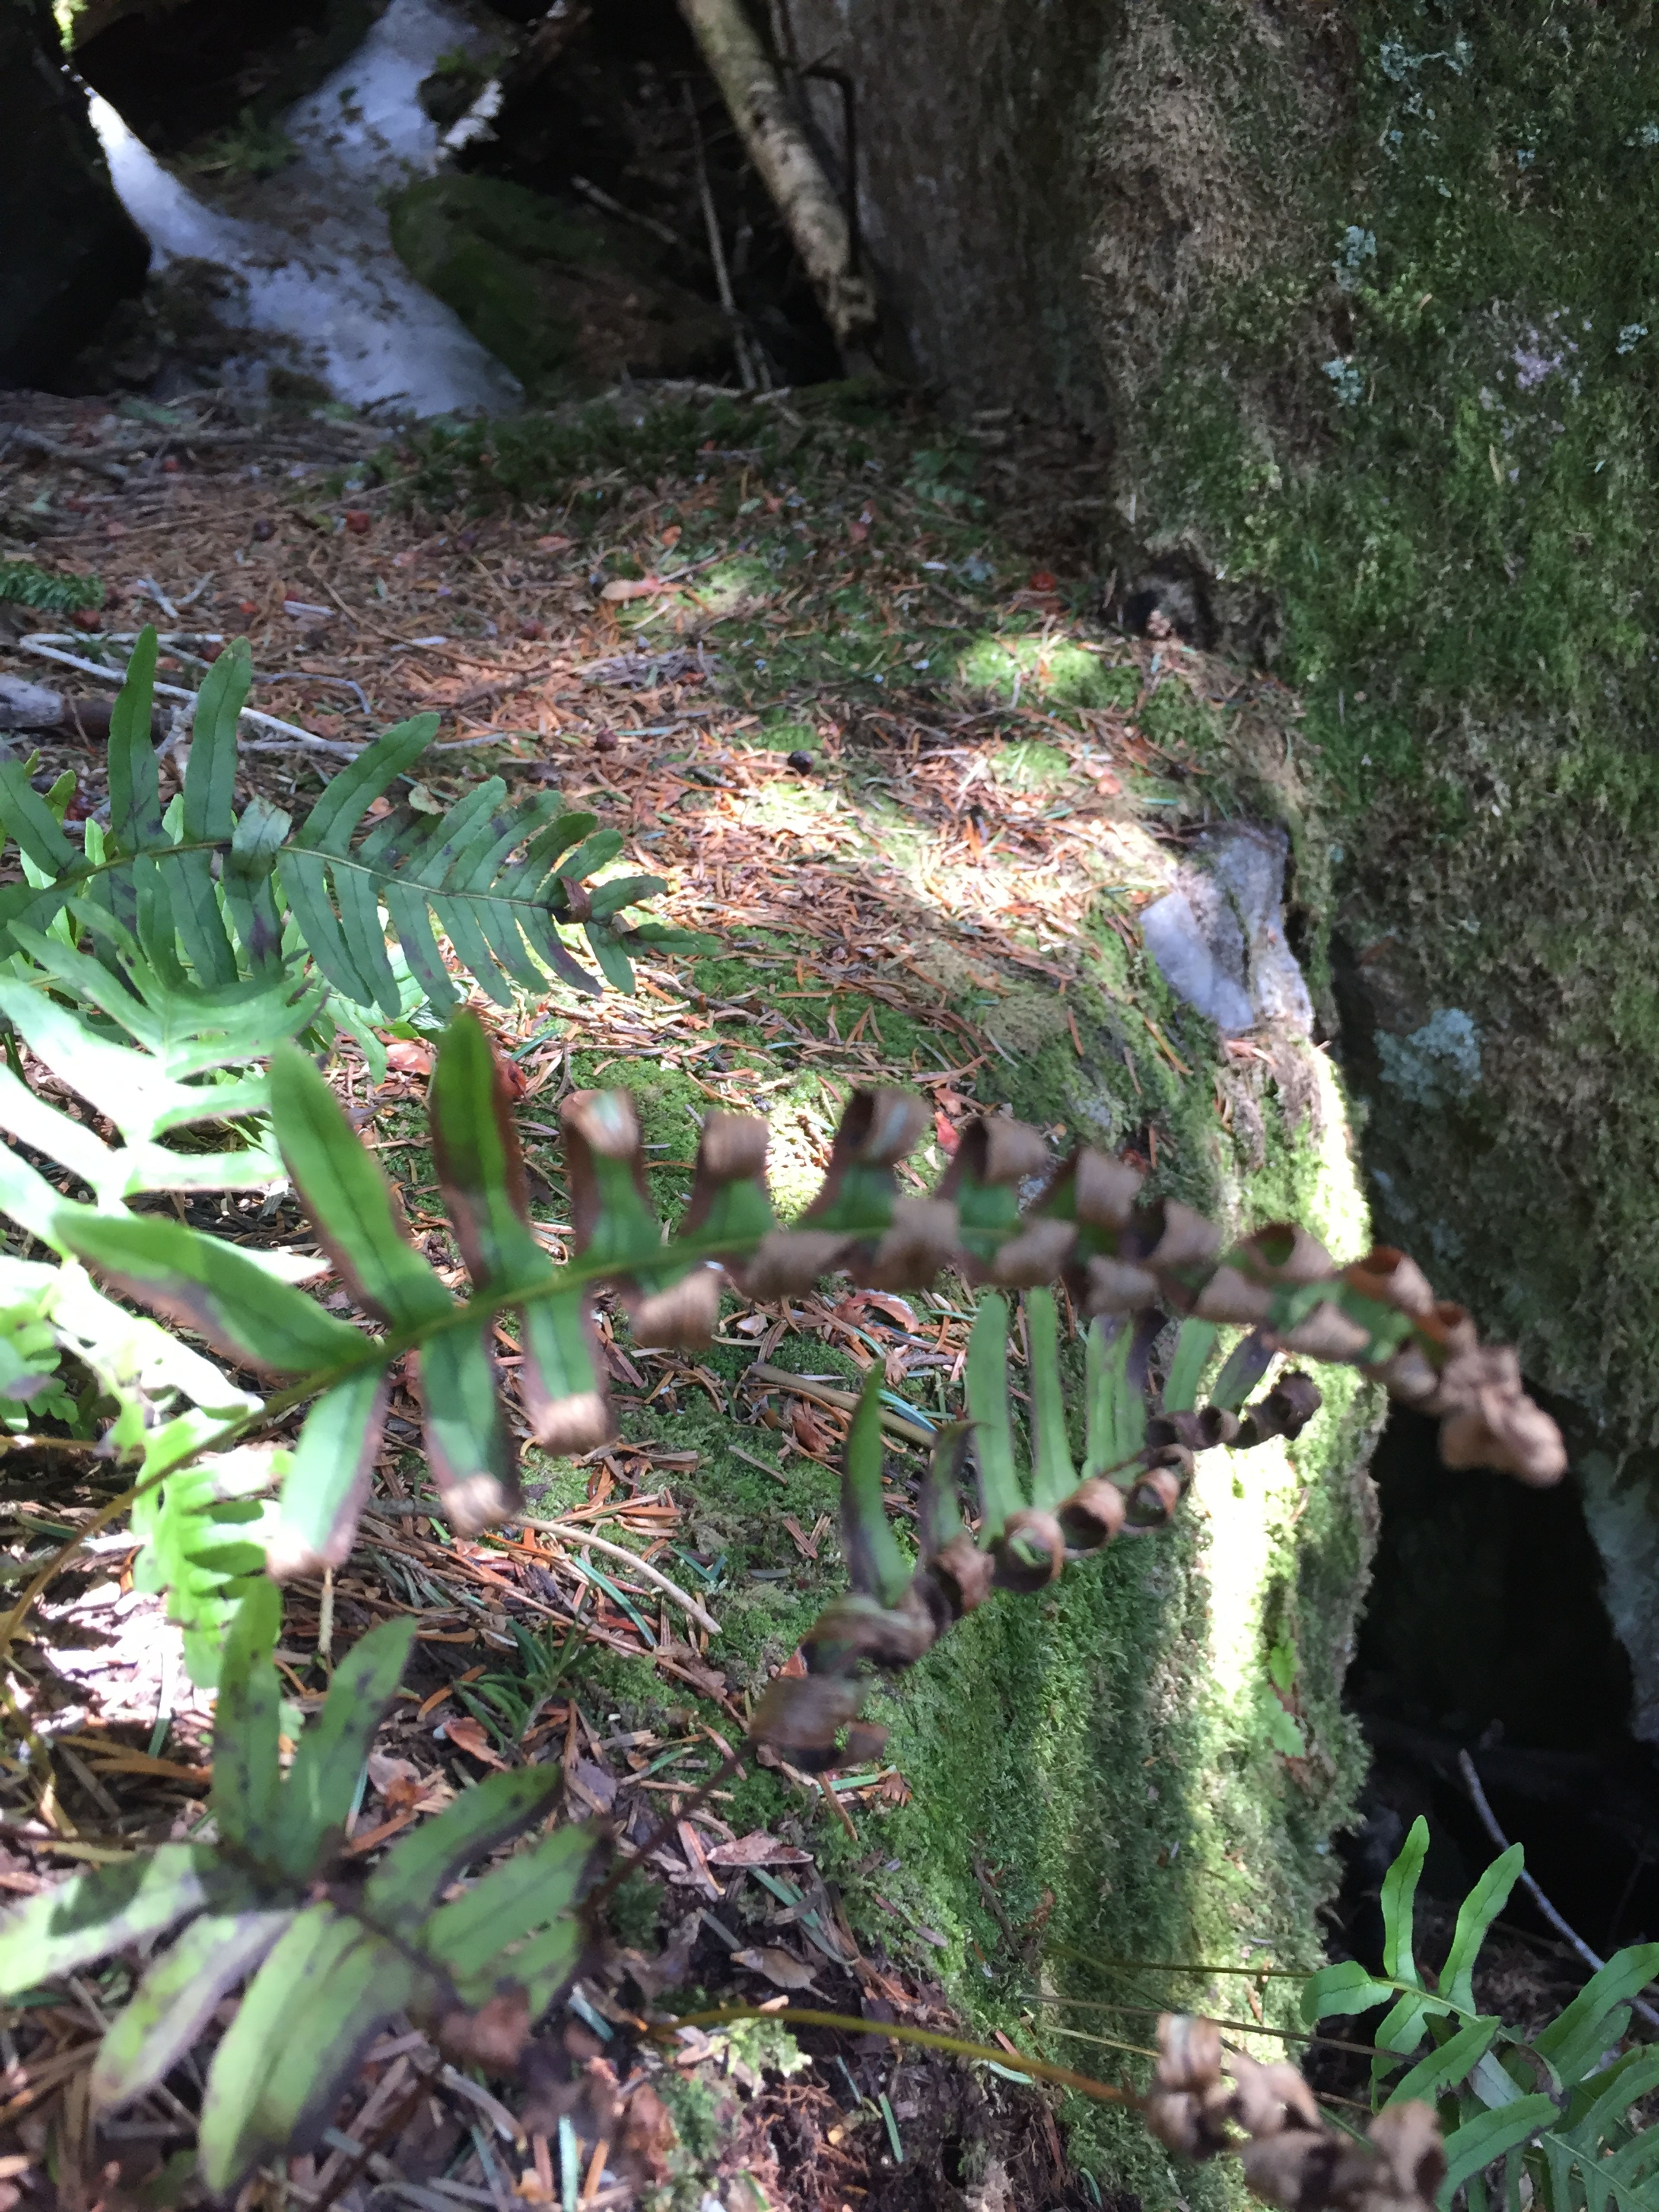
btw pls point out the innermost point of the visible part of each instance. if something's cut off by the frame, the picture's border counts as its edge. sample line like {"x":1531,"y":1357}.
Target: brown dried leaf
{"x":1093,"y":1514}
{"x":1392,"y":1279}
{"x":921,"y":1240}
{"x":813,"y":1435}
{"x":780,"y":1966}
{"x":493,"y":2037}
{"x":470,"y":1735}
{"x":1031,"y":1553}
{"x":1105,"y":1191}
{"x":966,"y":1573}
{"x":1285,"y":1411}
{"x":758,"y":1849}
{"x":649,"y":2135}
{"x":1117,"y":1287}
{"x":398,"y":1782}
{"x":1185,"y":1239}
{"x":1284,"y":1253}
{"x":1230,"y":1295}
{"x":1035,"y":1255}
{"x":1407,"y":2141}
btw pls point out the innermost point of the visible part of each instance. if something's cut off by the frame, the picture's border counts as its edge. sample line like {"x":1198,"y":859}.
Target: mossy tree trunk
{"x":1367,"y":301}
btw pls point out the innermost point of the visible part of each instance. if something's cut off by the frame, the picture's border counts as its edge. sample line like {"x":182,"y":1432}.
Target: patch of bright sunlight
{"x":1048,"y":671}
{"x":1248,"y":1498}
{"x":805,"y":810}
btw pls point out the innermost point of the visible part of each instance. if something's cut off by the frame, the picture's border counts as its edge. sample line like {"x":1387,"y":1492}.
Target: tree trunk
{"x":972,"y":120}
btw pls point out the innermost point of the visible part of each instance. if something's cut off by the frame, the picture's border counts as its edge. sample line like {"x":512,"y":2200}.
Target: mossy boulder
{"x":1420,"y":424}
{"x":1145,"y":1763}
{"x":568,"y":300}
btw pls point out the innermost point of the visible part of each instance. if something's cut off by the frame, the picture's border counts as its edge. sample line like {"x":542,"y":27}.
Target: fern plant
{"x":31,"y":1386}
{"x":1136,"y":1466}
{"x":1554,"y":2107}
{"x":500,"y":878}
{"x":27,"y":584}
{"x":323,"y":1963}
{"x":1089,"y":1226}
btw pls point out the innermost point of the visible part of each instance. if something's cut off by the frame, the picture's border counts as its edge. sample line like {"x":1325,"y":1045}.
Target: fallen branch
{"x":928,"y":2038}
{"x":44,"y":644}
{"x":791,"y":171}
{"x":37,"y":708}
{"x":1489,"y":1822}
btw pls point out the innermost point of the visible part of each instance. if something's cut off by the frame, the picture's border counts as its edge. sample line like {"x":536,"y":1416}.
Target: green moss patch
{"x":566,"y":298}
{"x":1422,"y":424}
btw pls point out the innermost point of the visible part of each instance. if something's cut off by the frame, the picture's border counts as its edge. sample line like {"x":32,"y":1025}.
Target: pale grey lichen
{"x":1358,"y":247}
{"x":1437,"y":1065}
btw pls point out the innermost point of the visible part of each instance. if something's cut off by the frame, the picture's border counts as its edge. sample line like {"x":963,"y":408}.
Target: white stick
{"x":790,"y":170}
{"x":39,"y":644}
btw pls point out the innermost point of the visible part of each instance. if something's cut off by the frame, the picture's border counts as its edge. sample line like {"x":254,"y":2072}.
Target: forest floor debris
{"x":890,"y":770}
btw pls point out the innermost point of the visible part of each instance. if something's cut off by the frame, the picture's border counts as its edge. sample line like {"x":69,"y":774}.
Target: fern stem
{"x":1105,"y":2093}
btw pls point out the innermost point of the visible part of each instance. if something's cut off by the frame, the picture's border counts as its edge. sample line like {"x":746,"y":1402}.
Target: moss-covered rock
{"x":1422,"y":425}
{"x":566,"y":298}
{"x":1144,"y":1764}
{"x":1375,"y":317}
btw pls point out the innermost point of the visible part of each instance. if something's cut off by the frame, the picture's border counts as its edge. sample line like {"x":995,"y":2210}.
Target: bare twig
{"x":1489,"y":1822}
{"x":840,"y":1402}
{"x":740,"y":344}
{"x":41,"y":644}
{"x":90,"y":457}
{"x":901,"y":2032}
{"x":776,"y":144}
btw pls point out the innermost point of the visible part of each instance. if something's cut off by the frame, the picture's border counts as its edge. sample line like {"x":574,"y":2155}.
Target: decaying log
{"x":37,"y":707}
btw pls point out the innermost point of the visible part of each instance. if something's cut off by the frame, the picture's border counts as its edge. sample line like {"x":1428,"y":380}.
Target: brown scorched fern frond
{"x":1090,"y":1227}
{"x":1290,"y":2154}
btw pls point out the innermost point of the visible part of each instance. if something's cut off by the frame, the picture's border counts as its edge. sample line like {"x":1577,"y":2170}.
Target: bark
{"x":973,"y":121}
{"x":69,"y":249}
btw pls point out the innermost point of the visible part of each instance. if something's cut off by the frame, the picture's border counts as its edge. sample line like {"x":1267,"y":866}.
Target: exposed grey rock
{"x":26,"y":705}
{"x":1218,"y":936}
{"x":69,"y":250}
{"x":569,"y":299}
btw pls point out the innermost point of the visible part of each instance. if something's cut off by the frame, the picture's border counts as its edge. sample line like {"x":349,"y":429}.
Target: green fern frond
{"x":200,"y":1530}
{"x":500,"y":878}
{"x":31,"y":1390}
{"x":325,"y":1967}
{"x":27,"y":584}
{"x":1569,"y":2139}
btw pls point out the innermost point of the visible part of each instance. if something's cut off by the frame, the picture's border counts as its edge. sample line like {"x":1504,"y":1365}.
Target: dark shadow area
{"x":1485,"y":1620}
{"x":1485,"y":1631}
{"x":177,"y":74}
{"x":607,"y":115}
{"x":618,"y":112}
